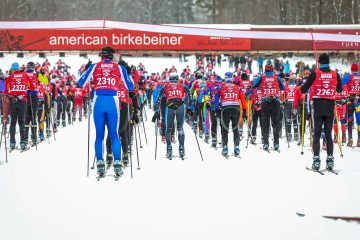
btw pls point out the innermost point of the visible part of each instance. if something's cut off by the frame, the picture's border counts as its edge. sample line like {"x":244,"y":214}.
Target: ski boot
{"x":344,"y":138}
{"x":316,"y":163}
{"x":225,"y":151}
{"x":201,"y":134}
{"x":109,"y":159}
{"x":335,"y":138}
{"x":118,"y":168}
{"x":64,"y":124}
{"x":237,"y":151}
{"x":296,"y":137}
{"x":169,"y":153}
{"x":41,"y":136}
{"x":182,"y":152}
{"x":23,"y":146}
{"x":48,"y":133}
{"x":241,"y":133}
{"x":12,"y":146}
{"x":266,"y":147}
{"x":330,"y":163}
{"x":125,"y":159}
{"x":100,"y":167}
{"x":80,"y":119}
{"x":33,"y":142}
{"x":214,"y":142}
{"x":74,"y":119}
{"x":207,"y":137}
{"x":253,"y":140}
{"x":276,"y":147}
{"x":289,"y":138}
{"x":350,"y":142}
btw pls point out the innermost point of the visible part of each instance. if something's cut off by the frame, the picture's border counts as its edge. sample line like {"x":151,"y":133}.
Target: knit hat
{"x":354,"y":67}
{"x":324,"y":58}
{"x":15,"y":66}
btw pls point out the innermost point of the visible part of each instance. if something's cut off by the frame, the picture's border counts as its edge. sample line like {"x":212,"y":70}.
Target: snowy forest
{"x":187,"y":11}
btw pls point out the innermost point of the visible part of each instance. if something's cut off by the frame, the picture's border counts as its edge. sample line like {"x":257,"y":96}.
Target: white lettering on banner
{"x":146,"y":40}
{"x":122,"y":40}
{"x":78,"y":40}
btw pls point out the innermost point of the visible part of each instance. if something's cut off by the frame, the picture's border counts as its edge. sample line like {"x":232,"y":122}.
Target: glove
{"x":135,"y":117}
{"x":295,"y":111}
{"x":208,"y":106}
{"x":189,"y":112}
{"x":356,"y":100}
{"x":156,"y":116}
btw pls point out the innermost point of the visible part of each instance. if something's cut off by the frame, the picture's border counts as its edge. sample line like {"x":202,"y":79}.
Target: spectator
{"x":286,"y":67}
{"x":242,"y":63}
{"x":249,"y":62}
{"x":260,"y":64}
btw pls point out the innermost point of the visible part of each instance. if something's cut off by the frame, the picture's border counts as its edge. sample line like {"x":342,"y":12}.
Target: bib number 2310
{"x":104,"y":81}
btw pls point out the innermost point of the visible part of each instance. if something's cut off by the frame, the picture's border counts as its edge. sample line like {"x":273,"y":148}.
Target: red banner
{"x":94,"y":39}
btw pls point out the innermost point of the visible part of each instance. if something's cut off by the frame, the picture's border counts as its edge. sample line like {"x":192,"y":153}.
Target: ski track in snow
{"x":46,"y":194}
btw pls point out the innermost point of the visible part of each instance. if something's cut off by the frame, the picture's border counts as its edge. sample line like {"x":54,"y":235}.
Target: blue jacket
{"x":346,"y":78}
{"x":286,"y":68}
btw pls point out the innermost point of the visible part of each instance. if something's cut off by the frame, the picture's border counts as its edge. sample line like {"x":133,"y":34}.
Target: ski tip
{"x":300,"y":214}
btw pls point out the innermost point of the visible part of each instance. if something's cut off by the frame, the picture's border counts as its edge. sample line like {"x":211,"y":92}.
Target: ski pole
{"x":128,"y":133}
{"x":302,"y":127}
{"x":339,"y":132}
{"x":2,"y":133}
{"x":144,"y":131}
{"x":88,"y":147}
{"x":6,"y":157}
{"x":137,"y":150}
{"x":145,"y":114}
{"x":286,"y":132}
{"x":32,"y":121}
{"x":93,"y":165}
{"x":197,"y":141}
{"x":139,"y":135}
{"x":156,"y":136}
{"x":131,"y":166}
{"x":311,"y":134}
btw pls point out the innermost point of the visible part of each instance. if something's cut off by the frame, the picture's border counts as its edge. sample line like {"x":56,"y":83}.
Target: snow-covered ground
{"x":45,"y":194}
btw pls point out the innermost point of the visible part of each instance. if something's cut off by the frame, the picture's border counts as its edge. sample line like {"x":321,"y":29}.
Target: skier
{"x":213,"y":92}
{"x":78,"y":102}
{"x":176,"y":107}
{"x":230,"y":98}
{"x":107,"y":76}
{"x":290,"y":113}
{"x":270,"y":86}
{"x":255,"y":96}
{"x":17,"y":85}
{"x":353,"y":82}
{"x":125,"y":106}
{"x":32,"y":105}
{"x":340,"y":108}
{"x":325,"y":83}
{"x":42,"y":105}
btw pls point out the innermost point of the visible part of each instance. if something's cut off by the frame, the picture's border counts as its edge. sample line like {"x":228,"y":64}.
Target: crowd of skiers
{"x":319,"y":100}
{"x":38,"y":100}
